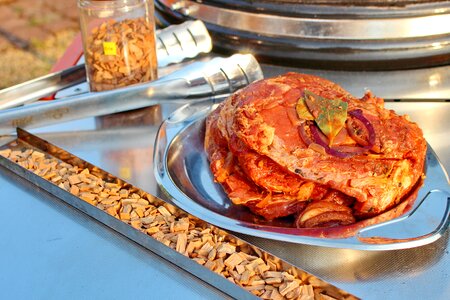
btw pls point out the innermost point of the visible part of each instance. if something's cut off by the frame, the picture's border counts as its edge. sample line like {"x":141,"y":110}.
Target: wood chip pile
{"x":256,"y":271}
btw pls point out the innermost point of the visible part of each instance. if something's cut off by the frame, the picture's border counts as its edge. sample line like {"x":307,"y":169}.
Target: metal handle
{"x":378,"y":234}
{"x":32,"y":90}
{"x":198,"y":81}
{"x":178,"y":42}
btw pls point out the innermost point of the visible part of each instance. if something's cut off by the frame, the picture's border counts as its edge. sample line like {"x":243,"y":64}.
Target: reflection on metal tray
{"x":182,"y":170}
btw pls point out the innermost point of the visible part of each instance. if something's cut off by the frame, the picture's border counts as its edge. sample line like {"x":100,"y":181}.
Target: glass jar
{"x":118,"y":41}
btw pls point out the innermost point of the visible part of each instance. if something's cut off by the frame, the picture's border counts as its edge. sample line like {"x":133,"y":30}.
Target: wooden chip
{"x":262,"y":268}
{"x":226,"y":248}
{"x":233,"y":260}
{"x":87,"y":196}
{"x":152,"y":230}
{"x":274,"y":280}
{"x":127,"y":209}
{"x":287,"y":287}
{"x":74,"y":190}
{"x":193,"y":245}
{"x":245,"y":277}
{"x":163,"y":211}
{"x":200,"y":260}
{"x":212,"y":254}
{"x":276,"y":295}
{"x":111,"y":210}
{"x":124,"y":216}
{"x":254,"y":287}
{"x":136,"y":224}
{"x":287,"y":276}
{"x":123,"y":193}
{"x":266,"y":295}
{"x":210,"y":264}
{"x":139,"y":212}
{"x":272,"y":274}
{"x":181,"y":243}
{"x":219,"y":265}
{"x":74,"y":179}
{"x":240,"y":269}
{"x":307,"y":292}
{"x":205,"y":249}
{"x":126,"y":201}
{"x":325,"y":297}
{"x":5,"y":152}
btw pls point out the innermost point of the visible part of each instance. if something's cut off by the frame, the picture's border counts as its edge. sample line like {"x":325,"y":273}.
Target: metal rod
{"x":35,"y":89}
{"x":198,"y":81}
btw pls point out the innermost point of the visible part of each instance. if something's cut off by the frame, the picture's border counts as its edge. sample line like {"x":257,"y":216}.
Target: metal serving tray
{"x":182,"y":171}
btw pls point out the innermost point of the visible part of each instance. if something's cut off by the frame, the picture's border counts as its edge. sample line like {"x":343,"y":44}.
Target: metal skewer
{"x":198,"y":81}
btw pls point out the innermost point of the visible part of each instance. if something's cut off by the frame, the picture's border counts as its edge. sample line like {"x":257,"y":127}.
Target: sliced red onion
{"x":318,"y":140}
{"x":302,"y":132}
{"x":351,"y":131}
{"x":357,"y":114}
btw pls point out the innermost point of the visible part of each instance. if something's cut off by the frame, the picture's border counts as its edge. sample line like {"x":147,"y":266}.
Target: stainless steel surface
{"x":197,"y":81}
{"x":26,"y":140}
{"x":318,"y":28}
{"x":182,"y":170}
{"x":47,"y":244}
{"x":173,"y":44}
{"x":359,"y":38}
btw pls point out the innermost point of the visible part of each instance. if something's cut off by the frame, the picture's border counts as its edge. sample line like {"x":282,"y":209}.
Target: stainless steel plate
{"x":182,"y":171}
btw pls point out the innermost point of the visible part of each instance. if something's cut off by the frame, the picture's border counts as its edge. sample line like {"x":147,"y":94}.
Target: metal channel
{"x":140,"y":238}
{"x":31,"y":141}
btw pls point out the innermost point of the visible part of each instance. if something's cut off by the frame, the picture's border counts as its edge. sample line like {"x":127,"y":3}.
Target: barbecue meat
{"x":262,"y":161}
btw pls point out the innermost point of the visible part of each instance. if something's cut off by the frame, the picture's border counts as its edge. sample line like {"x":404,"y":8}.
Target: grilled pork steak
{"x":264,"y":151}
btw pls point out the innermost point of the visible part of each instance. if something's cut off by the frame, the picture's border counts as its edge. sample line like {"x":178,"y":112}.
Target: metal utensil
{"x":37,"y":88}
{"x":173,"y":44}
{"x":178,"y":42}
{"x":198,"y":81}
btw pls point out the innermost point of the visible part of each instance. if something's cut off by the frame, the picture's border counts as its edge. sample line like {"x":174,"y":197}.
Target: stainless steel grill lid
{"x":325,"y":33}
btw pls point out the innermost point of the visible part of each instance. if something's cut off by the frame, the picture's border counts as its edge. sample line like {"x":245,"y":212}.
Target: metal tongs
{"x":173,"y":44}
{"x":198,"y":81}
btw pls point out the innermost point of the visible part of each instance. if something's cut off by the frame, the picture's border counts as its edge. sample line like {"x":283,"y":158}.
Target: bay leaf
{"x":329,"y":114}
{"x":303,"y":111}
